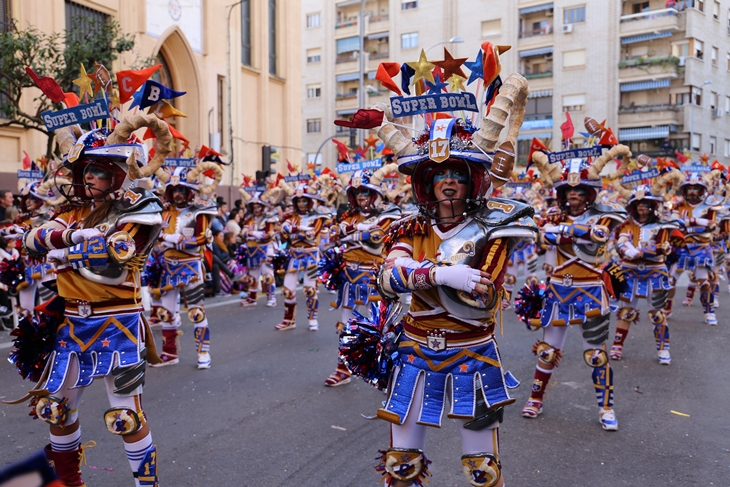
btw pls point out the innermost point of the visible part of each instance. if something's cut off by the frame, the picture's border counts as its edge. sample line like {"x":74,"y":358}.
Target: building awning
{"x":539,"y":135}
{"x":536,"y":8}
{"x":642,"y":133}
{"x":646,"y":37}
{"x":346,"y":112}
{"x":540,"y":93}
{"x":645,"y":85}
{"x":545,"y":123}
{"x":536,"y":52}
{"x":348,"y":77}
{"x":379,"y":35}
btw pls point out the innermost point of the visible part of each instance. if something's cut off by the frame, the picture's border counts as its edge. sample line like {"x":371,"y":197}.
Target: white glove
{"x":631,"y":252}
{"x":57,"y":255}
{"x":84,"y":234}
{"x":364,"y":227}
{"x":173,"y":238}
{"x":549,"y":228}
{"x":407,"y":262}
{"x":257,"y":234}
{"x":461,"y":277}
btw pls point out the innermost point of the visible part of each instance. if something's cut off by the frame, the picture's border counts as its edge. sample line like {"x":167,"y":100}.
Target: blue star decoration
{"x":476,"y":68}
{"x":437,"y":87}
{"x":136,"y":98}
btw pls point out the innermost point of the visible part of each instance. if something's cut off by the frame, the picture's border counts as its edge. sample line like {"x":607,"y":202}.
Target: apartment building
{"x":655,"y":70}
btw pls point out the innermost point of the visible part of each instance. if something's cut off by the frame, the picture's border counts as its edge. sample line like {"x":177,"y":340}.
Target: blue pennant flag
{"x":406,"y":72}
{"x":154,"y":92}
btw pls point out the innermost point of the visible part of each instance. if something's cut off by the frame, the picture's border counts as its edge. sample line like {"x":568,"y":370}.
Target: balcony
{"x":650,"y":21}
{"x":374,"y":20}
{"x":346,"y":101}
{"x":541,"y":74}
{"x":548,"y":29}
{"x":659,"y":114}
{"x":347,"y":28}
{"x":347,"y":57}
{"x":380,"y":55}
{"x":654,"y":66}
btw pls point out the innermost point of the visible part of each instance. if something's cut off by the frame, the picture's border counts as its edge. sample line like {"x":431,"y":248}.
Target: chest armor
{"x":144,"y":209}
{"x":591,"y":252}
{"x":307,"y":225}
{"x":374,"y":245}
{"x":502,"y":218}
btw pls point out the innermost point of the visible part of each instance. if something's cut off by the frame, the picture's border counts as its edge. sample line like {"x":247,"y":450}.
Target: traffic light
{"x":269,"y":156}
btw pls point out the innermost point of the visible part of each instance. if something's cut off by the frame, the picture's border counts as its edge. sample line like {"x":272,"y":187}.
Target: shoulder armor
{"x":203,"y":207}
{"x":714,"y":200}
{"x":608,"y":207}
{"x":501,"y":211}
{"x":138,"y":200}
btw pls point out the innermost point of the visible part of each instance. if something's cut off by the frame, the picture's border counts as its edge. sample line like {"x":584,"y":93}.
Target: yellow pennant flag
{"x":164,"y":110}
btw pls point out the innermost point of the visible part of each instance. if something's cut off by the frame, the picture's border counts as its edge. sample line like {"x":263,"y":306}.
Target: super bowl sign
{"x":359,"y":166}
{"x":636,"y":176}
{"x":96,"y":110}
{"x":565,"y":155}
{"x":179,"y":162}
{"x":445,"y":102}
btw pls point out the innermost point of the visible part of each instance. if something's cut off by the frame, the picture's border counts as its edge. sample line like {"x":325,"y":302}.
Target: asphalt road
{"x":262,"y":417}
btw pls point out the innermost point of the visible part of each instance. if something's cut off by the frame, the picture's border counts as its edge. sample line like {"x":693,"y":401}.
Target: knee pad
{"x":51,"y":409}
{"x":310,"y":291}
{"x":711,"y":275}
{"x":197,"y":314}
{"x":656,"y":316}
{"x":481,"y":469}
{"x":288,"y":293}
{"x":267,"y":279}
{"x":531,"y":280}
{"x":123,"y":421}
{"x":547,"y":353}
{"x":404,"y":464}
{"x":595,"y":357}
{"x":164,"y":314}
{"x":628,"y":314}
{"x":252,"y":281}
{"x":510,"y":280}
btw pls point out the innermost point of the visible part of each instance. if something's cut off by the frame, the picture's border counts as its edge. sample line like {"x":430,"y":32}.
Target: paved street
{"x":261,"y":416}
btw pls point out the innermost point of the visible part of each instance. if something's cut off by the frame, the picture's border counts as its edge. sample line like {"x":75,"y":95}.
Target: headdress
{"x":267,"y":194}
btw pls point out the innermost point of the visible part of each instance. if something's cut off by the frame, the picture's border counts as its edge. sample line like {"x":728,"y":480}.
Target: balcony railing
{"x":345,"y":23}
{"x":648,"y":108}
{"x":379,"y":18}
{"x":536,"y":32}
{"x":379,"y":55}
{"x":346,"y":57}
{"x":649,"y":61}
{"x":345,"y":96}
{"x":649,"y":14}
{"x":542,"y":74}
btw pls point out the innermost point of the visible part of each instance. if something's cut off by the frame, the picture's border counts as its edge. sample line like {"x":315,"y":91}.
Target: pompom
{"x":369,"y":346}
{"x":280,"y":260}
{"x":12,"y":274}
{"x":529,"y":302}
{"x":152,"y":272}
{"x":34,"y":341}
{"x":330,"y":268}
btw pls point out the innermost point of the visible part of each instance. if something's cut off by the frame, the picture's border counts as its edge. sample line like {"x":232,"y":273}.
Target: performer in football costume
{"x":360,"y":231}
{"x":643,"y":242}
{"x":186,"y":231}
{"x":698,"y":211}
{"x":452,"y":257}
{"x":259,"y":231}
{"x":99,"y":244}
{"x":579,"y":228}
{"x":302,"y":230}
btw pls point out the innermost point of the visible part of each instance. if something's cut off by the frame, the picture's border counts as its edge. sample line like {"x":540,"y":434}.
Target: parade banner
{"x":359,"y":166}
{"x":519,"y":185}
{"x":445,"y":102}
{"x":694,"y":168}
{"x":298,"y":177}
{"x":255,"y":189}
{"x":96,"y":110}
{"x":179,"y":162}
{"x":635,"y":176}
{"x":565,"y":155}
{"x":28,"y":174}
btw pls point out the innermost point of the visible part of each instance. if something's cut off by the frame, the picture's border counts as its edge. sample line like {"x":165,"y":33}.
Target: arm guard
{"x":89,"y":253}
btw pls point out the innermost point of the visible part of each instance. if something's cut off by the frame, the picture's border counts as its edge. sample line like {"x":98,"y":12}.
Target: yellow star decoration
{"x":84,"y":82}
{"x":456,"y":83}
{"x":114,"y":101}
{"x":423,"y":68}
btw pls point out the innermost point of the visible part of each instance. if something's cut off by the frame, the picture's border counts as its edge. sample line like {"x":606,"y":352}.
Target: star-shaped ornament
{"x":84,"y":82}
{"x":105,"y":342}
{"x":422,"y":68}
{"x":62,"y":344}
{"x":476,"y":68}
{"x":371,"y":141}
{"x":450,"y":65}
{"x":114,"y":101}
{"x":436,"y":87}
{"x":411,"y":358}
{"x":456,"y":83}
{"x":463,"y":367}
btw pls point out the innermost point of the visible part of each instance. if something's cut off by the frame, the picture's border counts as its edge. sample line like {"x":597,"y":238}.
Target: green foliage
{"x":56,"y":55}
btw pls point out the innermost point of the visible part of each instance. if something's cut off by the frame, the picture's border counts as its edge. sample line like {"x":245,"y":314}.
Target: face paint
{"x":97,"y":171}
{"x":458,"y":175}
{"x":362,"y":192}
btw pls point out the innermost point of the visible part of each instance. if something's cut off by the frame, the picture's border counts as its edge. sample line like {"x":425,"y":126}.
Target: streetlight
{"x":453,"y":40}
{"x":692,"y":116}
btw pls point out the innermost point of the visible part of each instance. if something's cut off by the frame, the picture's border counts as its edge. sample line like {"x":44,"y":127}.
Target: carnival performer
{"x":186,"y":231}
{"x":452,"y":256}
{"x":259,"y":231}
{"x":99,"y":244}
{"x":643,"y":242}
{"x":698,"y":211}
{"x":302,"y":231}
{"x":360,"y":232}
{"x":579,"y":228}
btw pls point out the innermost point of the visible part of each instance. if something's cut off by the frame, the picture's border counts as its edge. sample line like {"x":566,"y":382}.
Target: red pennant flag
{"x":26,"y":161}
{"x":536,"y":146}
{"x":148,"y":134}
{"x":177,"y":135}
{"x":680,"y":157}
{"x":291,"y":167}
{"x":129,"y":80}
{"x":71,"y":99}
{"x":327,"y":170}
{"x":490,"y":63}
{"x":344,"y":153}
{"x":385,"y":74}
{"x":363,"y":119}
{"x":608,"y":138}
{"x":47,"y":85}
{"x":386,"y":152}
{"x":716,"y":165}
{"x":567,"y":127}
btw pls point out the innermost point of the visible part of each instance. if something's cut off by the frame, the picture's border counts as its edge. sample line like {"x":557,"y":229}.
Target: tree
{"x":56,"y":55}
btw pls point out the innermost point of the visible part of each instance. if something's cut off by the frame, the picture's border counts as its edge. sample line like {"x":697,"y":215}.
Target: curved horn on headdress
{"x":549,"y":173}
{"x":391,"y":136}
{"x":66,"y":138}
{"x":286,"y":187}
{"x":594,"y":172}
{"x":379,"y":175}
{"x":273,"y":196}
{"x":511,"y":100}
{"x":163,"y":145}
{"x":620,"y":188}
{"x":203,"y":166}
{"x":659,"y":187}
{"x":162,"y":175}
{"x":50,"y":184}
{"x":711,"y":178}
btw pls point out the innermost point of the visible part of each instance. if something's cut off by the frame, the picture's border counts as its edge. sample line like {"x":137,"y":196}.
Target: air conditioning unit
{"x":549,"y":13}
{"x":682,"y":60}
{"x":717,"y":113}
{"x":567,"y":28}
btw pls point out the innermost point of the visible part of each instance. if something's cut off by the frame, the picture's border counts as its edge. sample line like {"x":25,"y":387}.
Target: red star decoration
{"x":371,"y":141}
{"x":105,"y":342}
{"x":450,"y":65}
{"x":411,"y":358}
{"x":579,"y":298}
{"x":440,"y":128}
{"x":550,"y":295}
{"x":62,"y":344}
{"x":463,"y":367}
